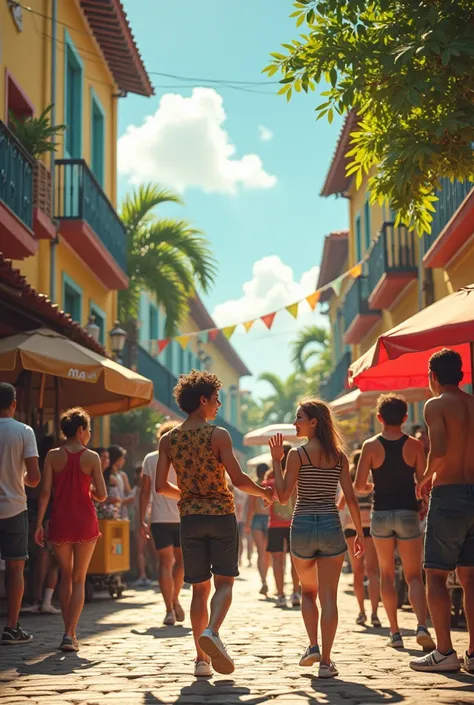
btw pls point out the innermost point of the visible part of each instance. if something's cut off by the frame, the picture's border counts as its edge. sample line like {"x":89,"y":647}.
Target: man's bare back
{"x":450,"y":421}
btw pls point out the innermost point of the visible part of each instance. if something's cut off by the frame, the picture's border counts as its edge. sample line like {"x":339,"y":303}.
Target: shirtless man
{"x":450,"y":527}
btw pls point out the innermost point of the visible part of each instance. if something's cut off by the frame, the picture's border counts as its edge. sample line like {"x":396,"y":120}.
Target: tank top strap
{"x":307,"y":455}
{"x":339,"y":463}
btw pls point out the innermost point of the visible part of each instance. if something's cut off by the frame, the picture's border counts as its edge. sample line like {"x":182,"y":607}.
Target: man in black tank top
{"x":397,"y":463}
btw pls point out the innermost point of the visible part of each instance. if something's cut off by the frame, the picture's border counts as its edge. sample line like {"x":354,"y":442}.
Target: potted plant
{"x":36,"y":135}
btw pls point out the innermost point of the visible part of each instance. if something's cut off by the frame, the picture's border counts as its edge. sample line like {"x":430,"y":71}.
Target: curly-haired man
{"x":201,"y":454}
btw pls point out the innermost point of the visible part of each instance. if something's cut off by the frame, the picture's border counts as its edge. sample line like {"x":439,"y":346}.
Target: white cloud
{"x":272,"y":287}
{"x":184,"y":145}
{"x":265,"y":133}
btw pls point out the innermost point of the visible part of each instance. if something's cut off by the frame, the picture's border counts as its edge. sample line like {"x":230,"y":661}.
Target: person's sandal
{"x":375,"y":621}
{"x":361,"y":619}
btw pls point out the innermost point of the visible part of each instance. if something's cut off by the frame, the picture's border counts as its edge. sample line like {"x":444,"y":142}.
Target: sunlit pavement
{"x":126,"y":656}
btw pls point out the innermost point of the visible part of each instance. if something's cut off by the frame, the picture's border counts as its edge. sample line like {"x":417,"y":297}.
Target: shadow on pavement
{"x":56,"y":664}
{"x":358,"y":692}
{"x":163,"y":632}
{"x":203,"y":689}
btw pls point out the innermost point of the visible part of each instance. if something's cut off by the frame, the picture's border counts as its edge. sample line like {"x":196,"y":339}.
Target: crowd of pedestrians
{"x":313,"y":504}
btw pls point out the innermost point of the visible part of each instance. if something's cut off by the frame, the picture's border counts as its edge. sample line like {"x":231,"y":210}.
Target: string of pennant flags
{"x":210,"y":334}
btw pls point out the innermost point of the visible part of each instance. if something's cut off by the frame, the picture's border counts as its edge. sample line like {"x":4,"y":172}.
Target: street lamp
{"x":118,"y":337}
{"x":93,"y":329}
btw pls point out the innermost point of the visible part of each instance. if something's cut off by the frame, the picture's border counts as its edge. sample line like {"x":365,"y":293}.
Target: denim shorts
{"x":449,"y":540}
{"x":402,"y":524}
{"x":317,"y":536}
{"x":260,"y":523}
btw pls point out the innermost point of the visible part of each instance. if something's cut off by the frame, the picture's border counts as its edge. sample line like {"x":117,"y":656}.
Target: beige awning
{"x":352,"y":401}
{"x":87,"y":379}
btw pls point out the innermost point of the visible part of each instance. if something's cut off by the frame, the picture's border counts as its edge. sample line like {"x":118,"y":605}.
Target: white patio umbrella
{"x":262,"y":458}
{"x":261,"y":436}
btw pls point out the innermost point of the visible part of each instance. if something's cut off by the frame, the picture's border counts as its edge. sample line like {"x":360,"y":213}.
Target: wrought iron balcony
{"x":452,"y":222}
{"x":359,"y":318}
{"x":392,"y":265}
{"x":164,"y":382}
{"x":335,"y":384}
{"x":90,"y":223}
{"x":16,"y":197}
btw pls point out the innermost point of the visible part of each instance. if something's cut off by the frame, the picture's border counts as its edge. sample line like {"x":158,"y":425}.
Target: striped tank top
{"x":317,"y":488}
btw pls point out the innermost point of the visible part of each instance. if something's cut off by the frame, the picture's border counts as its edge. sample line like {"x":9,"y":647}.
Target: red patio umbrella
{"x":399,"y":358}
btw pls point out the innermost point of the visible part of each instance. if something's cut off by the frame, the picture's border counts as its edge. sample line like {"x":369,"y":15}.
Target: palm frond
{"x":307,"y":336}
{"x":137,"y":206}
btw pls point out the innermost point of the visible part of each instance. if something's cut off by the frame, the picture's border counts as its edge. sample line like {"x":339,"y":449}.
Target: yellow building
{"x":58,"y":221}
{"x":402,"y":273}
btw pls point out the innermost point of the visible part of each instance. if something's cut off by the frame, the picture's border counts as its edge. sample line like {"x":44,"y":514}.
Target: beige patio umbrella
{"x":87,"y":379}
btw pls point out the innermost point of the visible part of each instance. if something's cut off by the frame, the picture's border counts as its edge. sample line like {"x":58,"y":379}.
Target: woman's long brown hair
{"x":327,"y":429}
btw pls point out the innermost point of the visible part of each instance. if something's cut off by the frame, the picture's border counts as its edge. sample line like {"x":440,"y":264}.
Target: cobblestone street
{"x":128,"y":657}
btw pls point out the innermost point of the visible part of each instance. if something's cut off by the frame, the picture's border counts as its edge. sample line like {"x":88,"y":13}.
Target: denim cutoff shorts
{"x":403,"y":524}
{"x":449,"y":540}
{"x":317,"y":536}
{"x":260,"y":523}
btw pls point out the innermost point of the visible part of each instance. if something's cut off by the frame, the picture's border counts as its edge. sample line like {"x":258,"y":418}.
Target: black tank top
{"x":394,"y":480}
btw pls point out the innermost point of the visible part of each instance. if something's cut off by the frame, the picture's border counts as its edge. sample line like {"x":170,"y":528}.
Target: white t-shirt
{"x":17,"y":442}
{"x":164,"y":510}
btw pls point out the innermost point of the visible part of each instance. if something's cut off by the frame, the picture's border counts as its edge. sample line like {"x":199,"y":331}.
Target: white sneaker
{"x":202,"y":669}
{"x":395,"y":641}
{"x":423,"y":638}
{"x":32,"y":609}
{"x":213,"y":647}
{"x":326,"y":671}
{"x":170,"y":619}
{"x":436,"y":662}
{"x":469,"y":663}
{"x":49,"y":609}
{"x":311,"y":656}
{"x":281,"y":602}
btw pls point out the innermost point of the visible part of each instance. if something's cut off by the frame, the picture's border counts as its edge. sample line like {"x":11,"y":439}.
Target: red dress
{"x":73,"y":515}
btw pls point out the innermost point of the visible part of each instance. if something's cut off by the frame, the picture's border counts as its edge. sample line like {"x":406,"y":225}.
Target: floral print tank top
{"x":201,"y":477}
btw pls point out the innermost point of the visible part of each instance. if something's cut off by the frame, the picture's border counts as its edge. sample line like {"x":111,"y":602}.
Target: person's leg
{"x":178,"y":577}
{"x":200,"y":615}
{"x":329,"y":572}
{"x":82,"y":557}
{"x":372,"y":572}
{"x":385,"y":549}
{"x":15,"y":587}
{"x":358,"y":574}
{"x":141,"y":562}
{"x":411,"y":553}
{"x":263,"y":558}
{"x":249,"y":539}
{"x":221,"y":601}
{"x":50,"y":582}
{"x":466,"y":578}
{"x":64,"y":555}
{"x":165,"y":576}
{"x":439,"y":603}
{"x":308,"y":577}
{"x":294,"y":577}
{"x":41,"y":570}
{"x":278,"y":560}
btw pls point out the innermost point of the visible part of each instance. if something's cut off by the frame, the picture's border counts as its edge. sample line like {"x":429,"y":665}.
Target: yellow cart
{"x":110,"y":559}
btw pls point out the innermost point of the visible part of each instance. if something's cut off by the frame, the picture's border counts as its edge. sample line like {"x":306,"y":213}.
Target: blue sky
{"x":257,"y":202}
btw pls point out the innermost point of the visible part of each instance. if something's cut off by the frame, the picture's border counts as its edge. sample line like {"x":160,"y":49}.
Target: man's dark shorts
{"x":278,"y":539}
{"x":449,"y":540}
{"x":166,"y":534}
{"x":14,"y":537}
{"x":210,"y":546}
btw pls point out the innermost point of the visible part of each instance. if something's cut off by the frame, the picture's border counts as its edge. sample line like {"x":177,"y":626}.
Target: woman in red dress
{"x":70,"y":471}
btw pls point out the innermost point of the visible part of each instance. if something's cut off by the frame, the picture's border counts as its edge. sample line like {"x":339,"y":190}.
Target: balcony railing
{"x":450,"y":196}
{"x":335,"y":384}
{"x":16,"y":176}
{"x":393,"y":252}
{"x":79,"y":196}
{"x":356,"y":301}
{"x":164,"y":382}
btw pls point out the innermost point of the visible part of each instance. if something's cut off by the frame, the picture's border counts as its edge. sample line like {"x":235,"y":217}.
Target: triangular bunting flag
{"x":293,"y":309}
{"x":162,"y":345}
{"x":212,"y":334}
{"x":336,"y":285}
{"x":356,"y":271}
{"x":203,"y":336}
{"x":183,"y":340}
{"x":228,"y":331}
{"x":268,"y":319}
{"x":248,"y":325}
{"x":313,"y":299}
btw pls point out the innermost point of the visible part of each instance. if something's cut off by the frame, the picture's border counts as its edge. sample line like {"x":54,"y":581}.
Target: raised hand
{"x":276,"y":447}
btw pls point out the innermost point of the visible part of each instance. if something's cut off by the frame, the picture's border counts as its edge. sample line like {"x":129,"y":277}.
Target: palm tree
{"x":165,"y":256}
{"x":280,"y":406}
{"x":313,"y":341}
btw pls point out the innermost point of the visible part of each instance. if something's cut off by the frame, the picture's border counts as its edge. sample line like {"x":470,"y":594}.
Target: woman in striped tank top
{"x":317,"y":541}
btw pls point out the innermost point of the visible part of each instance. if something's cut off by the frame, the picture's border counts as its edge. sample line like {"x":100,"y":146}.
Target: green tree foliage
{"x":280,"y":405}
{"x":165,"y":256}
{"x":405,"y":67}
{"x":310,"y":342}
{"x":36,"y":134}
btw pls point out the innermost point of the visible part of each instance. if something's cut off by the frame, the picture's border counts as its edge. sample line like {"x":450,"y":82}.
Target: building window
{"x":100,"y":320}
{"x":97,"y":138}
{"x":72,"y":299}
{"x":153,"y":322}
{"x":358,"y":238}
{"x":73,"y":79}
{"x":368,"y":235}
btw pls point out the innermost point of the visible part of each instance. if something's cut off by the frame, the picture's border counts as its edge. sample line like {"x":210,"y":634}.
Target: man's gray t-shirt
{"x":17,"y":443}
